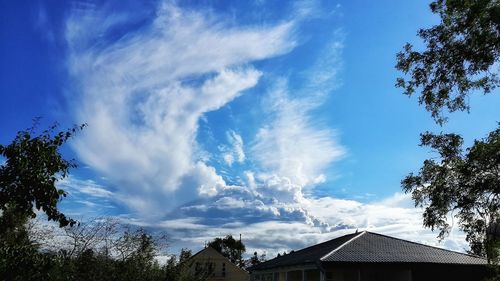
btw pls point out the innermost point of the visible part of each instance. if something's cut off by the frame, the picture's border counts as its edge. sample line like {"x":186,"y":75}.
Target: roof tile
{"x":369,"y":247}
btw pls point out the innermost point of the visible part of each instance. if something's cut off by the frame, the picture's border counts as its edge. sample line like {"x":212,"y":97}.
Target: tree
{"x":138,"y":261}
{"x":230,"y":248}
{"x":186,"y":269}
{"x":467,"y":185}
{"x":459,"y":58}
{"x":254,"y":260}
{"x":99,"y":235}
{"x":263,"y":257}
{"x":32,"y":166}
{"x":28,"y":177}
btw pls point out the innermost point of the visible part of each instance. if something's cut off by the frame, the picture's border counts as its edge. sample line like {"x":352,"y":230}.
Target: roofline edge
{"x":345,"y":243}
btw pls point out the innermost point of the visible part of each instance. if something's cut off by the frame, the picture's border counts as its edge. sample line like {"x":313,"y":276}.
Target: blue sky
{"x":279,"y":121}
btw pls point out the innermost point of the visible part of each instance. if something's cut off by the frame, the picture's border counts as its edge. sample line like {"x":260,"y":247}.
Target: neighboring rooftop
{"x":369,"y":247}
{"x":307,"y":255}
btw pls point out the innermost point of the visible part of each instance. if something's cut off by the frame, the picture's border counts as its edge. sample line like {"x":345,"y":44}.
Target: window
{"x":223,"y":269}
{"x":210,"y":266}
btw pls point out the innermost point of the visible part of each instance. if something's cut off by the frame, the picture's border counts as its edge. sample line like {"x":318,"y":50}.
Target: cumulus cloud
{"x":291,"y":150}
{"x":143,"y":94}
{"x":272,"y":226}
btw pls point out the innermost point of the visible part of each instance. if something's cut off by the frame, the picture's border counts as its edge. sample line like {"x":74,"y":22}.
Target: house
{"x":368,"y":256}
{"x":223,"y":268}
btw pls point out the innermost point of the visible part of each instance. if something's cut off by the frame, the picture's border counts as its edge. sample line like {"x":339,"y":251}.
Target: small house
{"x":222,"y":269}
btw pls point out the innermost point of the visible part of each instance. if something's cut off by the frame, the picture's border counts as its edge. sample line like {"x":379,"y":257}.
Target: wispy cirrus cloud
{"x":235,"y":152}
{"x":290,"y":146}
{"x":293,"y":150}
{"x":143,"y":94}
{"x":91,"y":198}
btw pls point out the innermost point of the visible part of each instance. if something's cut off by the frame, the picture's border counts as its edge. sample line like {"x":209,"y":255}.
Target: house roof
{"x":214,"y":253}
{"x":369,"y":247}
{"x":211,"y":251}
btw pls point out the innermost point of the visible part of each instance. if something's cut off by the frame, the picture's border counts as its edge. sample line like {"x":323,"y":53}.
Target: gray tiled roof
{"x":373,"y":247}
{"x":368,"y":247}
{"x":307,"y":255}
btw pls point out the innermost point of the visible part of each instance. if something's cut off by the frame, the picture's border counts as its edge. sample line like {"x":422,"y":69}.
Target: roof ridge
{"x":293,"y":252}
{"x":429,"y":246}
{"x":316,"y":245}
{"x":217,"y":252}
{"x":343,"y":244}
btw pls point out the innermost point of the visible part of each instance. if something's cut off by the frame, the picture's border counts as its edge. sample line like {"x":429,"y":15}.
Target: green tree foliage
{"x":27,"y":179}
{"x":179,"y":269}
{"x":98,"y":250}
{"x":186,"y":269}
{"x":90,"y":255}
{"x":460,"y":56}
{"x":254,"y":260}
{"x":463,"y":183}
{"x":230,"y":248}
{"x":32,"y":166}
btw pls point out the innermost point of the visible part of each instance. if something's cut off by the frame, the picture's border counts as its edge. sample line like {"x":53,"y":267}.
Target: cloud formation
{"x":234,"y":153}
{"x":91,"y":198}
{"x":273,"y":227}
{"x":292,"y":150}
{"x":290,"y":147}
{"x":143,"y":94}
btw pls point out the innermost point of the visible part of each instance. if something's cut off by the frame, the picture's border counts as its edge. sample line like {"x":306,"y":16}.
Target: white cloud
{"x":75,"y":186}
{"x":293,"y":226}
{"x":293,"y":152}
{"x":235,"y":152}
{"x":186,"y":223}
{"x":87,"y":203}
{"x":323,"y":76}
{"x":292,"y":149}
{"x":86,"y":198}
{"x":208,"y":182}
{"x":143,"y":95}
{"x":228,"y":158}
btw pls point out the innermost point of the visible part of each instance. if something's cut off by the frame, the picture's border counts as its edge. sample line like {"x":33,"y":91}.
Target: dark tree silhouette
{"x":230,"y":248}
{"x":467,"y":184}
{"x":461,"y":56}
{"x":33,"y":165}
